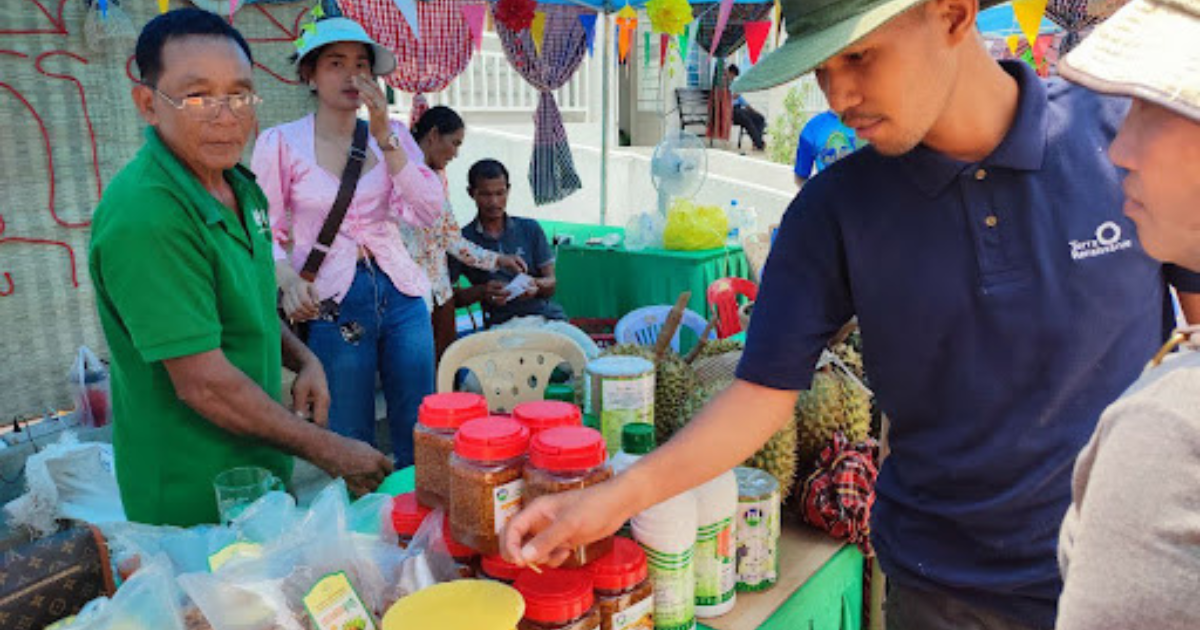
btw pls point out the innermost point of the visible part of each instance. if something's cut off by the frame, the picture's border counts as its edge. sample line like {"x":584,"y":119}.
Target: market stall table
{"x":596,"y":281}
{"x":820,"y":582}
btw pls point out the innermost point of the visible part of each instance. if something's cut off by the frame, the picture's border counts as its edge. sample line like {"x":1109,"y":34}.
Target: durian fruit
{"x":777,"y":456}
{"x":674,"y":381}
{"x":852,"y":358}
{"x":833,"y":403}
{"x":716,"y":347}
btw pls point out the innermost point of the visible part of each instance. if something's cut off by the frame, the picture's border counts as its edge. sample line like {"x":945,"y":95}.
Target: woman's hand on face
{"x":376,"y":102}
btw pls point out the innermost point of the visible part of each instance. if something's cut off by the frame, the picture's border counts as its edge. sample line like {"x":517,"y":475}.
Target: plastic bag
{"x":90,"y":389}
{"x":148,"y":601}
{"x":67,"y":480}
{"x":692,"y":227}
{"x":185,"y":550}
{"x":107,"y":28}
{"x":371,"y":516}
{"x":644,"y":231}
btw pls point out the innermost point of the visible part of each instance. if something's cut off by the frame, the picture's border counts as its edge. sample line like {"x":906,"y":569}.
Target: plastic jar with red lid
{"x":407,"y":516}
{"x":558,"y":599}
{"x":465,"y":558}
{"x":495,"y":567}
{"x":438,"y":420}
{"x":486,"y":484}
{"x":624,"y":593}
{"x":565,"y":459}
{"x":540,"y":415}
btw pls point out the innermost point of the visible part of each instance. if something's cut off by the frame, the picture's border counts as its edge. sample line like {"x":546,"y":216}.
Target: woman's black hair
{"x":442,"y":118}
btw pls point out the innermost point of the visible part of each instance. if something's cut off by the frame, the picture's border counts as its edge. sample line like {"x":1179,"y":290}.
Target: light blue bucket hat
{"x":340,"y":29}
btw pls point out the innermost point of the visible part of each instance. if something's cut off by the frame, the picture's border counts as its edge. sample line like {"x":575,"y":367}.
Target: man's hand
{"x":494,"y":294}
{"x":310,"y":393}
{"x":512,"y":263}
{"x":363,"y":467}
{"x":548,"y":530}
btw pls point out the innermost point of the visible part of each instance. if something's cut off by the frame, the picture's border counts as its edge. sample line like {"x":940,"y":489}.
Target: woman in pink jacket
{"x":366,"y":307}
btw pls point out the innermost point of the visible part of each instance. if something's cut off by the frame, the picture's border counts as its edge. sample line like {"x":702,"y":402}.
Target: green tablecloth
{"x":596,"y":281}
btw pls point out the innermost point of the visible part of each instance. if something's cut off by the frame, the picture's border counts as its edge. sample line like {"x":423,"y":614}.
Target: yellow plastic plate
{"x":458,"y":605}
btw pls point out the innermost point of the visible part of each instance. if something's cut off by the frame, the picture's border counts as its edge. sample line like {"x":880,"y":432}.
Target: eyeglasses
{"x":209,"y":107}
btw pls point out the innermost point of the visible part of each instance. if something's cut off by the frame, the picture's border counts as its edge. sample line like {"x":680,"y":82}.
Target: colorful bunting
{"x":664,"y":44}
{"x":588,"y":21}
{"x":778,"y":21}
{"x":1029,"y":14}
{"x":646,"y":49}
{"x":408,"y":8}
{"x":1040,"y":47}
{"x":626,"y":25}
{"x":476,"y":16}
{"x":537,"y":30}
{"x":233,"y":5}
{"x":722,"y":19}
{"x":164,"y":6}
{"x":756,"y":36}
{"x":1014,"y":43}
{"x":669,"y":16}
{"x":685,"y":41}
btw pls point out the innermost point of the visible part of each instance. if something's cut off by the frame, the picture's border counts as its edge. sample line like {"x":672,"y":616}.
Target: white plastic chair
{"x":513,"y":366}
{"x":642,"y":326}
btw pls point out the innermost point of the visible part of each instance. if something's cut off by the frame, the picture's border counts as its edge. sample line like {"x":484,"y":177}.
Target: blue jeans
{"x":379,"y":330}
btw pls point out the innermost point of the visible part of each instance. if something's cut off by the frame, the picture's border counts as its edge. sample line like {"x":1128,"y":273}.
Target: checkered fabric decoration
{"x":424,"y":65}
{"x":1078,"y":17}
{"x":552,"y":174}
{"x":837,"y":497}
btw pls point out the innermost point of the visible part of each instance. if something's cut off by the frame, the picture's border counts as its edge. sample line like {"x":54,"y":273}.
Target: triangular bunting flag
{"x":778,"y":21}
{"x":664,"y":44}
{"x":1040,"y":47}
{"x":408,"y":8}
{"x":164,"y":5}
{"x":588,"y":21}
{"x":537,"y":30}
{"x":685,"y":41}
{"x":756,"y":36}
{"x":475,"y":16}
{"x":1029,"y":14}
{"x":1014,"y":43}
{"x":646,"y":49}
{"x":233,"y":6}
{"x":722,"y":19}
{"x":1027,"y":57}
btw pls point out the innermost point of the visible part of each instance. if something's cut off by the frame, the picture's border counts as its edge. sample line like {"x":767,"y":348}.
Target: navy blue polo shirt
{"x":1003,"y":304}
{"x":523,"y":238}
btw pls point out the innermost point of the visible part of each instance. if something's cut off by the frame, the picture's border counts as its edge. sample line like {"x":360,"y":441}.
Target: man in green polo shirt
{"x":185,"y":285}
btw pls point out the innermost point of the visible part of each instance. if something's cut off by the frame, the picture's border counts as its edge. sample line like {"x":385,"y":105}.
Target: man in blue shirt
{"x":1002,"y":295}
{"x":495,"y":230}
{"x":746,"y":116}
{"x":823,"y":141}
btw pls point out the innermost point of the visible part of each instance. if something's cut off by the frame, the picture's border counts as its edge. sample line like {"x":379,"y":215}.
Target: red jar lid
{"x":623,"y":567}
{"x":555,"y":595}
{"x":407,"y":514}
{"x":451,"y":410}
{"x":496,"y":566}
{"x":457,"y":550}
{"x":540,"y":415}
{"x":491,"y":439}
{"x":568,"y":448}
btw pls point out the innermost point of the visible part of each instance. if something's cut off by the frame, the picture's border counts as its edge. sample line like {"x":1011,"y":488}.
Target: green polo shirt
{"x":177,"y":274}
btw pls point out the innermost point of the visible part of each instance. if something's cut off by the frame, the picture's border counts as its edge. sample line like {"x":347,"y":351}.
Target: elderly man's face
{"x":201,"y":66}
{"x":1161,"y":151}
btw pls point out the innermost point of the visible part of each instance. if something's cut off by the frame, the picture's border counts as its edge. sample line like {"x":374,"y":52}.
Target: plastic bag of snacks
{"x":90,"y":388}
{"x":692,"y":227}
{"x":148,"y":601}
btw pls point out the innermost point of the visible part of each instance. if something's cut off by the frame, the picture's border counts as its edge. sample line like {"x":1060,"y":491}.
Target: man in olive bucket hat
{"x":1002,"y":295}
{"x":1130,"y":542}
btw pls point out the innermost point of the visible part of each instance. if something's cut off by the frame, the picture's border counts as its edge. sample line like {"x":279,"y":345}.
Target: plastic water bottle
{"x":667,"y":533}
{"x":716,"y":544}
{"x":734,"y":215}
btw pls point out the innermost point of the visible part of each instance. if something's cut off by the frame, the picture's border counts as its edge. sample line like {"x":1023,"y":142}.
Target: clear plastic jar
{"x":540,"y":415}
{"x":438,"y":419}
{"x":624,"y":594}
{"x":407,"y":516}
{"x":466,"y":559}
{"x":486,"y":484}
{"x":558,"y":599}
{"x":565,"y":459}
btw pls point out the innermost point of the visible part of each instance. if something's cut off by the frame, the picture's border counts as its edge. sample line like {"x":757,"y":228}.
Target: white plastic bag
{"x":67,"y":480}
{"x":150,"y":600}
{"x":645,"y":231}
{"x":90,"y":389}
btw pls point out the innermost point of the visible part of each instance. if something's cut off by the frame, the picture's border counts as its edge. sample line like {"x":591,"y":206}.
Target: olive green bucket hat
{"x":1149,"y":50}
{"x":818,"y":30}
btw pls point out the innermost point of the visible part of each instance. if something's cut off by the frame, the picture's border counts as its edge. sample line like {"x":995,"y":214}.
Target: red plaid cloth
{"x":838,"y":496}
{"x":425,"y":65}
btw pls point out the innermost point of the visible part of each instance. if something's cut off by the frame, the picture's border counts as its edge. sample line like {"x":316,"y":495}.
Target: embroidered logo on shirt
{"x":261,"y":220}
{"x":1108,"y":240}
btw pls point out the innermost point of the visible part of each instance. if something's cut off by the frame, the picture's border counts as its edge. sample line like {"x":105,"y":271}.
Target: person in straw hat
{"x":365,"y":302}
{"x":1129,"y":542}
{"x":1001,"y":293}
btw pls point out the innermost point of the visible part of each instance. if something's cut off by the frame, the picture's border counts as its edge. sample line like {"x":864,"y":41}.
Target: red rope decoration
{"x":49,"y":157}
{"x":35,"y":241}
{"x":83,"y":100}
{"x":60,"y":25}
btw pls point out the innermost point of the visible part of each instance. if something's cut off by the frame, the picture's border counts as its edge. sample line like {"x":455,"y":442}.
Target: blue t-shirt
{"x":823,"y":141}
{"x":526,"y":239}
{"x":1003,"y":305}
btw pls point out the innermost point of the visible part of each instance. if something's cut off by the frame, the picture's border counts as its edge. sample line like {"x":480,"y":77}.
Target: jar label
{"x":639,"y":616}
{"x":674,"y":580}
{"x":506,"y":502}
{"x":758,"y":541}
{"x":624,"y":401}
{"x":333,"y":604}
{"x":716,"y":568}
